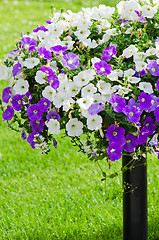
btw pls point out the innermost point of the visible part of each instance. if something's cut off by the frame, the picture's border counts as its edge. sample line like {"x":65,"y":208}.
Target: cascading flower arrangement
{"x":94,"y":75}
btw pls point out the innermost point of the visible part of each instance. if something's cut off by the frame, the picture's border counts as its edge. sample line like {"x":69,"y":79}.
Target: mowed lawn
{"x":59,"y":195}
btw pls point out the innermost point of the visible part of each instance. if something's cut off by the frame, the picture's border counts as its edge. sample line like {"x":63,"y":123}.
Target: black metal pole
{"x":134,"y":198}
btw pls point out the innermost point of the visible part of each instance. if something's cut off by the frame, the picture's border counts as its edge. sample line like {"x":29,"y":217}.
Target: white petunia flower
{"x":129,"y":51}
{"x":139,"y":56}
{"x":59,"y":99}
{"x":94,"y":122}
{"x":82,"y":34}
{"x":103,"y":87}
{"x":146,"y":87}
{"x":84,"y":77}
{"x":150,"y":51}
{"x":133,"y":79}
{"x":85,"y":102}
{"x":72,"y":89}
{"x":31,"y":62}
{"x":89,"y":43}
{"x":4,"y":72}
{"x":68,"y":104}
{"x":53,"y":126}
{"x":21,"y":87}
{"x":148,"y":11}
{"x":40,"y":77}
{"x":140,"y":66}
{"x":74,"y":127}
{"x":88,"y":90}
{"x":105,"y":38}
{"x":49,"y":93}
{"x":129,"y":72}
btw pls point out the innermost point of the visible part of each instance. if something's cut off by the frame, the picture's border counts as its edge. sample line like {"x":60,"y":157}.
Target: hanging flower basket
{"x":93,"y":76}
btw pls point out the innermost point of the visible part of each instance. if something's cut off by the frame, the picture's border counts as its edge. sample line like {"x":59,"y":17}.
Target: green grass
{"x":59,"y":195}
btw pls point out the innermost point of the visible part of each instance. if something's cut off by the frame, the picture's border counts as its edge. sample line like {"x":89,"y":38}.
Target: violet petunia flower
{"x":115,"y":134}
{"x":37,"y":126}
{"x":143,"y":72}
{"x":108,"y":53}
{"x":114,"y":151}
{"x":41,"y":28}
{"x":154,"y":103}
{"x":156,"y":113}
{"x":153,"y":67}
{"x":6,"y":94}
{"x":157,"y":84}
{"x":132,"y":113}
{"x":145,"y":100}
{"x":43,"y":104}
{"x":8,"y":113}
{"x":103,"y":68}
{"x":132,"y":103}
{"x":131,"y":143}
{"x":117,"y":102}
{"x":150,"y":125}
{"x":34,"y":112}
{"x":44,"y":53}
{"x":51,"y":77}
{"x":48,"y":21}
{"x":59,"y":50}
{"x":32,"y":138}
{"x":71,"y":61}
{"x":143,"y":136}
{"x":52,"y":115}
{"x":17,"y":101}
{"x":141,"y":18}
{"x":28,"y":43}
{"x":23,"y":134}
{"x":55,"y":143}
{"x":154,"y":140}
{"x":17,"y":68}
{"x":95,"y":108}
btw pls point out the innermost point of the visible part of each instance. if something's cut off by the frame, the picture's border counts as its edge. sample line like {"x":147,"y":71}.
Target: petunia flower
{"x":103,"y":68}
{"x":131,"y":143}
{"x":114,"y":151}
{"x":71,"y":61}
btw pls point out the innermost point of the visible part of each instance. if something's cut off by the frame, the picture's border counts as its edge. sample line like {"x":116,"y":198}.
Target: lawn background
{"x":59,"y":195}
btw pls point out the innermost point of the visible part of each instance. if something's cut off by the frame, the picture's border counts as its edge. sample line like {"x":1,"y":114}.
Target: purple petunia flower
{"x":23,"y":134}
{"x":154,"y":103}
{"x":157,"y":84}
{"x":141,"y":18}
{"x":150,"y":125}
{"x":108,"y":53}
{"x":71,"y":61}
{"x":44,"y":53}
{"x":17,"y":101}
{"x":156,"y":113}
{"x":95,"y":108}
{"x":51,"y":77}
{"x":132,"y":103}
{"x":143,"y":136}
{"x":37,"y":126}
{"x":6,"y":94}
{"x":132,"y":113}
{"x":8,"y":113}
{"x":52,"y":115}
{"x":114,"y":151}
{"x":143,"y":72}
{"x":59,"y":50}
{"x":32,"y":138}
{"x":17,"y":68}
{"x":131,"y":143}
{"x":48,"y":21}
{"x":153,"y":67}
{"x":117,"y":102}
{"x":55,"y":143}
{"x":103,"y":68}
{"x":28,"y":43}
{"x":145,"y":100}
{"x":43,"y":104}
{"x":115,"y":134}
{"x":41,"y":28}
{"x":34,"y":112}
